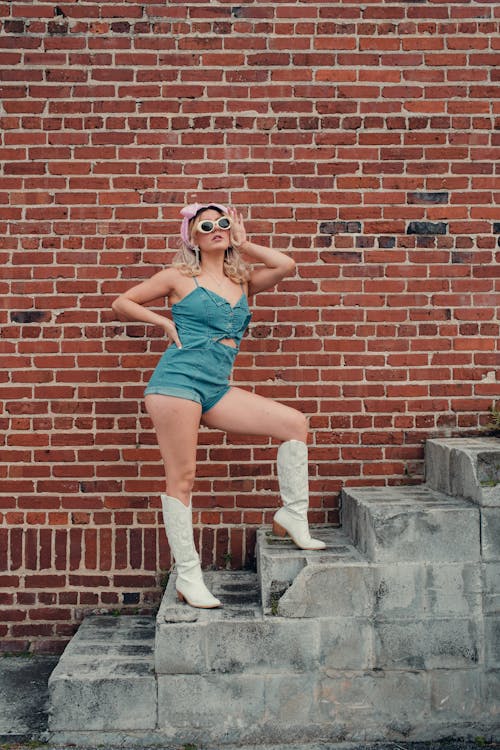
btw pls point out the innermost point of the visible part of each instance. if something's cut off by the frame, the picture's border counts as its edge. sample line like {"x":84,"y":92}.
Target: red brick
{"x":50,"y":613}
{"x":88,"y":581}
{"x":12,"y":615}
{"x":378,"y":332}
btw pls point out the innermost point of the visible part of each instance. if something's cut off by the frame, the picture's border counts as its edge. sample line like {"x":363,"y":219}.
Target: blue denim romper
{"x":200,"y":370}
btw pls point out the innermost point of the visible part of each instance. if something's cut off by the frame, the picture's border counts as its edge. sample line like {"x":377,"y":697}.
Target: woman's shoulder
{"x":171,"y":277}
{"x":163,"y":283}
{"x":179,"y":284}
{"x":170,"y":274}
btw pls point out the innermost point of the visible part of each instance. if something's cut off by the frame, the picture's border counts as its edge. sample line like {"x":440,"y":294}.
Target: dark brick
{"x":427,"y":227}
{"x":339,"y":227}
{"x":55,"y":27}
{"x":222,"y":27}
{"x":387,"y":242}
{"x":120,"y":27}
{"x":14,"y":27}
{"x":496,"y":227}
{"x":331,"y":227}
{"x":343,"y":256}
{"x":364,"y":241}
{"x":428,"y":197}
{"x":131,"y":598}
{"x":353,"y":226}
{"x":28,"y":316}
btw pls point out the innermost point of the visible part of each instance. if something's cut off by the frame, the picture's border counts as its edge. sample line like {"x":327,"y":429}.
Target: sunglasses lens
{"x":206,"y":226}
{"x":224,"y":223}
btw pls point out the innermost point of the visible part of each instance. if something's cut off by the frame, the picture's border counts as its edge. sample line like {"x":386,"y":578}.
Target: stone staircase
{"x":390,"y":633}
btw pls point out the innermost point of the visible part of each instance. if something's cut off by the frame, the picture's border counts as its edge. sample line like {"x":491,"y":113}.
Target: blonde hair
{"x":187,"y":260}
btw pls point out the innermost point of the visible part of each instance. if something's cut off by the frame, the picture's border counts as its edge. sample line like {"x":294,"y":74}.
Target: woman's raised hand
{"x":238,"y":235}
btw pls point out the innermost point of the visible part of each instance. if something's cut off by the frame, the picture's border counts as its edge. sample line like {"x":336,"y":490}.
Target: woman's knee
{"x":180,"y":480}
{"x":299,"y":426}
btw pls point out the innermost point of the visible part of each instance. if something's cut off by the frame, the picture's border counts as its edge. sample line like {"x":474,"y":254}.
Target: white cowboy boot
{"x":190,"y":587}
{"x":293,"y":477}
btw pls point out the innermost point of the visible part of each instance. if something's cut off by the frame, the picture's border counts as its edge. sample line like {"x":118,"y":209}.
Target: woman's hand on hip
{"x":172,"y":334}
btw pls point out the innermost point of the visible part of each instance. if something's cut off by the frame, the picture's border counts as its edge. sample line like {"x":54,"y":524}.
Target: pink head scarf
{"x":188,"y":212}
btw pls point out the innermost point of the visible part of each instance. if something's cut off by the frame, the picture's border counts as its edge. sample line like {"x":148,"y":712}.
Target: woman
{"x":207,"y":288}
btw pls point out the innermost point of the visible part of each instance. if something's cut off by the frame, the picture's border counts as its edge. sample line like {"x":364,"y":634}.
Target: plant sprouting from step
{"x":164,"y":576}
{"x":493,"y":426}
{"x":275,"y":600}
{"x":277,"y":589}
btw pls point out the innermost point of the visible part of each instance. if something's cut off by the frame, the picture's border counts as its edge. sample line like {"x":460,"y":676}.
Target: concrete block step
{"x":238,"y":709}
{"x":400,"y":524}
{"x":383,"y":591}
{"x":105,"y":679}
{"x":235,"y":638}
{"x":391,"y":632}
{"x":279,"y":561}
{"x":465,"y":467}
{"x":403,"y":644}
{"x":238,"y":590}
{"x":324,"y":708}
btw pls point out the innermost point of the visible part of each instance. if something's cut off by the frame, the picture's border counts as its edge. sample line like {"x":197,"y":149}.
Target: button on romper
{"x":200,"y":370}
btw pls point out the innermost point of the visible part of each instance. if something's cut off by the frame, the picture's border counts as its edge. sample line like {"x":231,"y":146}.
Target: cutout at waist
{"x":227,"y":342}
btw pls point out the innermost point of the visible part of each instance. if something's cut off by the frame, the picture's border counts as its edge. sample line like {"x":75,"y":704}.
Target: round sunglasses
{"x":208,"y":226}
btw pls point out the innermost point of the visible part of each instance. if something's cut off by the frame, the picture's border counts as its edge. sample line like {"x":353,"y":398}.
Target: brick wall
{"x":361,"y":137}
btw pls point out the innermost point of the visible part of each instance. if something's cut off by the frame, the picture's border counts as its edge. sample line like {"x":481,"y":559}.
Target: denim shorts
{"x":198,"y":374}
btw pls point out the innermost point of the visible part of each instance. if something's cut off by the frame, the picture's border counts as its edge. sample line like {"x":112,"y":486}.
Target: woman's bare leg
{"x":176,"y":422}
{"x":247,"y":413}
{"x":242,"y":412}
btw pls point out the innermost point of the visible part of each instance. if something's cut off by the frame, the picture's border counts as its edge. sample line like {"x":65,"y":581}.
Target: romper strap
{"x":195,"y":280}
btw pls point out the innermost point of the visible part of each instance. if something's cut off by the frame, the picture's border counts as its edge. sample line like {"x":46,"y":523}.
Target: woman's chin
{"x":215,"y":247}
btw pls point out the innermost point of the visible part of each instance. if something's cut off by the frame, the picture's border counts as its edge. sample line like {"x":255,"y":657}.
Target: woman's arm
{"x":277,"y":265}
{"x":130,"y":304}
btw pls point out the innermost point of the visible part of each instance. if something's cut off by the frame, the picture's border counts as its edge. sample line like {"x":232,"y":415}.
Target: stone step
{"x":279,"y":561}
{"x":238,"y":590}
{"x":391,"y":632}
{"x":105,"y":679}
{"x":341,"y":584}
{"x":235,"y":675}
{"x":414,"y":591}
{"x":465,"y":467}
{"x":235,"y":638}
{"x":404,"y":524}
